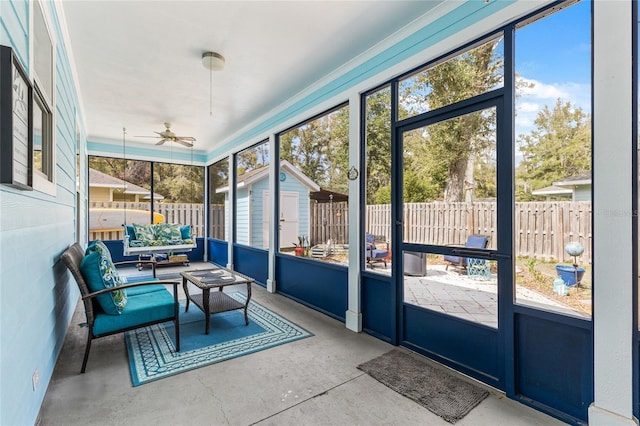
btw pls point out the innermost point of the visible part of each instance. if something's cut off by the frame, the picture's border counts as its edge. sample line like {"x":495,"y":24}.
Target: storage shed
{"x":253,"y":193}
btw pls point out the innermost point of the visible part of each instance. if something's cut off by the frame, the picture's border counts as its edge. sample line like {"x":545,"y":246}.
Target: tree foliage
{"x":218,"y":178}
{"x":252,"y":158}
{"x":378,"y":146}
{"x":320,"y":149}
{"x":558,"y":147}
{"x":176,"y":183}
{"x":446,"y":151}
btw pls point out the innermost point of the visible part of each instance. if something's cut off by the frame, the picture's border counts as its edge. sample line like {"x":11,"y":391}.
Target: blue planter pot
{"x":568,"y":274}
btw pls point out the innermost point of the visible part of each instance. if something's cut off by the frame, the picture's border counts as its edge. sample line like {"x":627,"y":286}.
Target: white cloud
{"x":539,"y":90}
{"x":547,"y":93}
{"x":531,"y":100}
{"x":528,"y":107}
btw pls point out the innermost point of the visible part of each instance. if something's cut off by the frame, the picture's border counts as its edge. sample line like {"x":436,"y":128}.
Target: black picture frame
{"x":16,"y":122}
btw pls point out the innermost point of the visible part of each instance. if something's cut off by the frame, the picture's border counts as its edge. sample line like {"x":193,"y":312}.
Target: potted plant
{"x":300,"y":246}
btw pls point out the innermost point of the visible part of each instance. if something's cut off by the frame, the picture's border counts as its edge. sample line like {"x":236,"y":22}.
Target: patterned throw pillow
{"x":99,"y":272}
{"x":145,"y":233}
{"x":168,"y":232}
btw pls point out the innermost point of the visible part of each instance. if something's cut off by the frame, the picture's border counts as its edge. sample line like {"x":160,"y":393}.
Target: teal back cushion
{"x":145,"y":233}
{"x":130,"y":232}
{"x":99,"y":272}
{"x":168,"y":231}
{"x":185,"y":232}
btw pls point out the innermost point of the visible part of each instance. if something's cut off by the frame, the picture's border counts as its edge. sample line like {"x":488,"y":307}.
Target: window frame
{"x":44,"y":180}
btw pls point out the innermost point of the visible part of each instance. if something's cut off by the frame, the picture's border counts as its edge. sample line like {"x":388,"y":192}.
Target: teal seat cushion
{"x":141,"y":309}
{"x":99,"y":273}
{"x":149,"y":288}
{"x":133,"y":291}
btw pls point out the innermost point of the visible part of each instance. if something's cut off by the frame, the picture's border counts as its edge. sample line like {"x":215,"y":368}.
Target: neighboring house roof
{"x":581,"y":179}
{"x":99,"y":179}
{"x":255,"y":175}
{"x":565,"y":186}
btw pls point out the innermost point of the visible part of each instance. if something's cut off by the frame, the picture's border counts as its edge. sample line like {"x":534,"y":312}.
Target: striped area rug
{"x":152,"y":354}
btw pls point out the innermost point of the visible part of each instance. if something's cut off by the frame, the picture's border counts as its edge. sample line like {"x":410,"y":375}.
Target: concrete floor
{"x":313,"y":381}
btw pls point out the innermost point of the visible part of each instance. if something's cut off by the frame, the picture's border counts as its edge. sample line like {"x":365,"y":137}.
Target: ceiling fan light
{"x":213,"y":61}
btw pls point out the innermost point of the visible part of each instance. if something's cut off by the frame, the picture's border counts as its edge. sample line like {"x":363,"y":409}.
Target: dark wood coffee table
{"x":217,"y":301}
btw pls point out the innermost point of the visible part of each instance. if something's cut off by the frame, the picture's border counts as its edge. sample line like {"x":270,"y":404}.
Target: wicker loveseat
{"x":112,"y":309}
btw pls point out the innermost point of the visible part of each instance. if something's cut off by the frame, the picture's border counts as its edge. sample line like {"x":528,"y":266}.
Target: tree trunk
{"x":454,"y":188}
{"x":470,"y":181}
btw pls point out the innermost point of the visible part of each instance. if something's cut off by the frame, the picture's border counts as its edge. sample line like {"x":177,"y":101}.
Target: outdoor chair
{"x":473,"y":241}
{"x":374,"y":253}
{"x":112,"y":307}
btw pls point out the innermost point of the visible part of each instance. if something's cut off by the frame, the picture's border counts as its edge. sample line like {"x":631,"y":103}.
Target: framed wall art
{"x":16,"y":122}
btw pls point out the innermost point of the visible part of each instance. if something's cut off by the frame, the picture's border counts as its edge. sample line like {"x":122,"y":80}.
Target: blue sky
{"x":553,"y":53}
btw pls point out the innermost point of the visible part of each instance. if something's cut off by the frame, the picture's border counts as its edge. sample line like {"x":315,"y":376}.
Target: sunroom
{"x":375,"y":164}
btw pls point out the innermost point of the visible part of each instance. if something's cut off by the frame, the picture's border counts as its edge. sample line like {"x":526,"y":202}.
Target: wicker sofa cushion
{"x":99,"y":273}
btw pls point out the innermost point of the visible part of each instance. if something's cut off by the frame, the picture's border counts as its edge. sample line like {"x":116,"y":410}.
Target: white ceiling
{"x":139,"y":62}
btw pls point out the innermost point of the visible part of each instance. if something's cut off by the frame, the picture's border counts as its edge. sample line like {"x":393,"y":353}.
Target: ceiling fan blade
{"x":184,"y":143}
{"x":161,"y":141}
{"x":139,"y":136}
{"x":186,"y":138}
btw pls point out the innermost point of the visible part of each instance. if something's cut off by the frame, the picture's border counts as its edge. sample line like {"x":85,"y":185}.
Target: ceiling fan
{"x":168,"y":136}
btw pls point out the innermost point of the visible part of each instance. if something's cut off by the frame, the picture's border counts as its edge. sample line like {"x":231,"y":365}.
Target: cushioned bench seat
{"x":157,"y":238}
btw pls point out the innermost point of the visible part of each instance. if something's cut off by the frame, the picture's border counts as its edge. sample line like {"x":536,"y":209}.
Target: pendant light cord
{"x":210,"y":92}
{"x":124,"y":174}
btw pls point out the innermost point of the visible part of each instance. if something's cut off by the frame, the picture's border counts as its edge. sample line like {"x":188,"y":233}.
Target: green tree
{"x":320,"y":149}
{"x":378,"y":147}
{"x":252,"y":158}
{"x":558,"y":147}
{"x":454,"y":145}
{"x":218,"y":178}
{"x":178,"y":183}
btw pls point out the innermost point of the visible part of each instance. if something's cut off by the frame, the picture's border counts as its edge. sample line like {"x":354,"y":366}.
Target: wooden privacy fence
{"x":182,"y":213}
{"x":329,"y":221}
{"x":541,"y":229}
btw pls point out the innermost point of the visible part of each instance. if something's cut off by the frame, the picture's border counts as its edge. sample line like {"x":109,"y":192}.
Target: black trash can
{"x":414,"y":263}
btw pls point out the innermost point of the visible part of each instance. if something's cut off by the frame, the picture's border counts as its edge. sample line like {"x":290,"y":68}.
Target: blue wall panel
{"x":378,"y":309}
{"x":252,"y":262}
{"x":468,"y":347}
{"x":218,"y":252}
{"x":320,"y":285}
{"x":554,"y":363}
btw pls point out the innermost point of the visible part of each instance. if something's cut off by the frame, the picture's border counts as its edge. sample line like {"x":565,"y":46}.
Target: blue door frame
{"x":539,"y":358}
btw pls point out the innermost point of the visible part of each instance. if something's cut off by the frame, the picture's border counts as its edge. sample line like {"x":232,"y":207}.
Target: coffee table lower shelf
{"x":218,"y":302}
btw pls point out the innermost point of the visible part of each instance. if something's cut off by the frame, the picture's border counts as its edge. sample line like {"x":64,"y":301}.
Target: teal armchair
{"x":139,"y":303}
